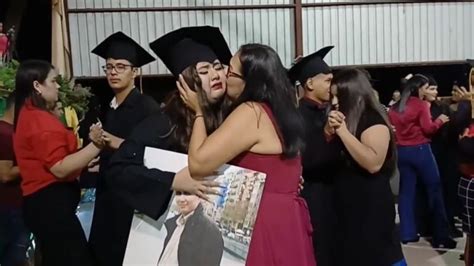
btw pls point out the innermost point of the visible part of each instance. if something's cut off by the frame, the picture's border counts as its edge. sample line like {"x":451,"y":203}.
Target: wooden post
{"x":298,"y":28}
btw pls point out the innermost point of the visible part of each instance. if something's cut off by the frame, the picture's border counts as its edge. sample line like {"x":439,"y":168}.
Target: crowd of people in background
{"x":329,"y":128}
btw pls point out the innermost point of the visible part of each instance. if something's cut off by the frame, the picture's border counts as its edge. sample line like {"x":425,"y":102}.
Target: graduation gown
{"x":320,"y":160}
{"x":143,"y":189}
{"x":112,"y":218}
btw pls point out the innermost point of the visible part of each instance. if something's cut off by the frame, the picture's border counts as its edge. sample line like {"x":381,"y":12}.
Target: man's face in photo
{"x":186,"y":203}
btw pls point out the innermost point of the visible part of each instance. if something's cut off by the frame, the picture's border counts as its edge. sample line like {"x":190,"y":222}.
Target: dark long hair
{"x":410,"y":87}
{"x":266,"y":81}
{"x":183,"y":118}
{"x":27,"y":73}
{"x":356,"y":96}
{"x":431,"y":80}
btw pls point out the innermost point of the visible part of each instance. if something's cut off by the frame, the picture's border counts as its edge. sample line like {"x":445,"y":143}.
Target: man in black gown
{"x":320,"y":152}
{"x":112,"y":218}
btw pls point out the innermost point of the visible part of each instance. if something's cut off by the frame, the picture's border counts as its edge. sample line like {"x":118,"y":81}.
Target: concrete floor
{"x":422,"y":254}
{"x":416,"y":254}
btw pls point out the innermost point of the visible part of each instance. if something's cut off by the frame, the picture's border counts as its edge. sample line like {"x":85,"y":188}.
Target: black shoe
{"x":461,"y":256}
{"x":447,"y":243}
{"x":413,"y":240}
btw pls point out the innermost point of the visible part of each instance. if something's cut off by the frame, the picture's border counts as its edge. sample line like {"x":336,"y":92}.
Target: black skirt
{"x":50,"y":214}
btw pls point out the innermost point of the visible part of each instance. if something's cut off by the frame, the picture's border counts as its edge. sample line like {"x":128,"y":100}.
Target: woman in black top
{"x":364,"y":200}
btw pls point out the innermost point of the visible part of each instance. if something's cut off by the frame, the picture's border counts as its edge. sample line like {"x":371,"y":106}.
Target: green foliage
{"x":7,"y":78}
{"x":70,"y":93}
{"x":74,"y":95}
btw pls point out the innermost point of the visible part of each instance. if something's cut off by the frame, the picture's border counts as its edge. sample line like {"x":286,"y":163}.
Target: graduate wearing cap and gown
{"x":320,"y":153}
{"x":149,"y":190}
{"x":112,"y":218}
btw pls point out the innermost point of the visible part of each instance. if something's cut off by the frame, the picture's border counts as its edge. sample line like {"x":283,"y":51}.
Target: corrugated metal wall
{"x":167,"y":3}
{"x":391,"y":33}
{"x":340,"y":1}
{"x":363,"y":34}
{"x":269,"y":26}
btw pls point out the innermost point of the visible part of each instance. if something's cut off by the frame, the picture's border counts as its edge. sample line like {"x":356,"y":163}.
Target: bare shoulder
{"x":248,"y":111}
{"x":376,"y":131}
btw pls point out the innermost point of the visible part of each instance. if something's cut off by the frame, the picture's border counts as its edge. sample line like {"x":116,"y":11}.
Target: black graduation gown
{"x":143,"y":189}
{"x":444,"y":147}
{"x":320,"y":159}
{"x":112,"y":218}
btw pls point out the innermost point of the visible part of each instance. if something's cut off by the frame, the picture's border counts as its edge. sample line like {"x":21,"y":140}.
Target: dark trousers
{"x":320,"y":199}
{"x":50,"y":214}
{"x":13,"y":237}
{"x":447,"y":160}
{"x":110,"y":229}
{"x":417,"y":164}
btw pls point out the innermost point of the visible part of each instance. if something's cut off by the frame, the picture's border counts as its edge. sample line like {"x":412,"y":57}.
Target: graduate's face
{"x":120,"y":73}
{"x":186,"y":203}
{"x":213,"y":80}
{"x":49,"y":88}
{"x":319,"y":86}
{"x":235,"y":79}
{"x":431,"y":93}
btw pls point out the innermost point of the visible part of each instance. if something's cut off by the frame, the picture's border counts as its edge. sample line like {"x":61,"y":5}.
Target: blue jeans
{"x":401,"y":263}
{"x":13,"y":237}
{"x":417,"y":164}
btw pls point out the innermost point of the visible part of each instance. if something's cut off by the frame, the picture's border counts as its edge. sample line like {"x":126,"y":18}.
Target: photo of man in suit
{"x":192,"y":239}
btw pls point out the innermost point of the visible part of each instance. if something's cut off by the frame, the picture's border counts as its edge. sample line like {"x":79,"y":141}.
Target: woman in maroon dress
{"x":263,"y":132}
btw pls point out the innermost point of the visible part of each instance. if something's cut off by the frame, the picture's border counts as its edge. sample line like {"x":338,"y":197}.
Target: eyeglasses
{"x":119,"y":68}
{"x":230,"y":73}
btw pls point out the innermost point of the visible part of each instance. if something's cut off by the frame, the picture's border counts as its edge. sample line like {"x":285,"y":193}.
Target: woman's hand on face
{"x":189,"y":97}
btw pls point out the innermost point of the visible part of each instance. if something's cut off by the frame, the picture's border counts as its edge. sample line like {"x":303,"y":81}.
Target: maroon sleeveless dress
{"x":282,"y":231}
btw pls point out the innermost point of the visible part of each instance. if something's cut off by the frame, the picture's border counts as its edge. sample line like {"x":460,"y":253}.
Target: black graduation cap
{"x":310,"y":66}
{"x":120,"y":46}
{"x":187,"y":46}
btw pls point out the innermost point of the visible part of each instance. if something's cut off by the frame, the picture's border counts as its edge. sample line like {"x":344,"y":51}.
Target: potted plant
{"x":74,"y":97}
{"x":7,"y":82}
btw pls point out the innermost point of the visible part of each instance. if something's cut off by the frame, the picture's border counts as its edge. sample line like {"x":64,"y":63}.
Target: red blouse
{"x":414,"y":126}
{"x":40,"y":141}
